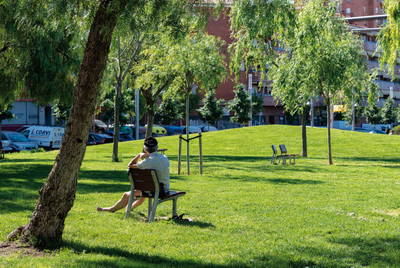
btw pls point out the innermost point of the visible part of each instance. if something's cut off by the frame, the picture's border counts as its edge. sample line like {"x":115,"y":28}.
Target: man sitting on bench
{"x":151,"y":159}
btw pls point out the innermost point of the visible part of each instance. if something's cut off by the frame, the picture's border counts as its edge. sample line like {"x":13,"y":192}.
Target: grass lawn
{"x":246,"y":212}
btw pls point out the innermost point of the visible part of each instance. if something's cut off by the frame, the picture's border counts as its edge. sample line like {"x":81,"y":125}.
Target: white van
{"x":44,"y":136}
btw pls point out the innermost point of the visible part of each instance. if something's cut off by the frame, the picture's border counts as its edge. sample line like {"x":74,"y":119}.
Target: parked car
{"x":45,"y":136}
{"x":377,"y":132}
{"x":99,"y":138}
{"x":192,"y":129}
{"x":6,"y":144}
{"x":99,"y":126}
{"x":123,"y":136}
{"x":158,"y":131}
{"x":208,"y":128}
{"x":142,"y":131}
{"x":359,"y":129}
{"x":173,"y":130}
{"x":18,"y":141}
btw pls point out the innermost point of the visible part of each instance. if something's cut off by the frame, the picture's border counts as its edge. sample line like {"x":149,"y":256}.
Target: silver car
{"x":6,"y":144}
{"x":18,"y":141}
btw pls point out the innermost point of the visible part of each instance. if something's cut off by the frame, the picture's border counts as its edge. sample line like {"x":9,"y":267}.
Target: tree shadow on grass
{"x":372,"y":250}
{"x":395,"y":160}
{"x":131,"y":259}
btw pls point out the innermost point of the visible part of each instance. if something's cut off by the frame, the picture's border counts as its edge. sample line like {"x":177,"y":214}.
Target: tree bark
{"x":57,"y":195}
{"x":118,"y":86}
{"x":304,"y":133}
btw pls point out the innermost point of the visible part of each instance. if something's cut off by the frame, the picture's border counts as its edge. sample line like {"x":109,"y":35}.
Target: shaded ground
{"x":10,"y":248}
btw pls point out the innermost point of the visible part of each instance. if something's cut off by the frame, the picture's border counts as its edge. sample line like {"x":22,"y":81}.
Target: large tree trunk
{"x":304,"y":133}
{"x":57,"y":195}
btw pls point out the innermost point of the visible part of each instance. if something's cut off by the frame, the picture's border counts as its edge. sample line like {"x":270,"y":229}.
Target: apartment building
{"x":273,"y":112}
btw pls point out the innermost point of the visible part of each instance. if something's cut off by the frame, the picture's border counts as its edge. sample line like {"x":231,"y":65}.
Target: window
{"x":348,"y":10}
{"x":377,"y":22}
{"x":377,"y":10}
{"x":364,"y":9}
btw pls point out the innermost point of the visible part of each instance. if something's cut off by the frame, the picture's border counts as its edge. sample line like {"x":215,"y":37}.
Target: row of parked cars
{"x":157,"y":130}
{"x":28,"y":138}
{"x":31,"y":137}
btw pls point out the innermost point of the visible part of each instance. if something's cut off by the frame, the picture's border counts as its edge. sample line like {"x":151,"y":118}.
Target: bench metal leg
{"x":128,"y":207}
{"x":174,"y":205}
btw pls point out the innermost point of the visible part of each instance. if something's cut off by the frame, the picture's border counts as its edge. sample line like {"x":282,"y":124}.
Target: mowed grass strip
{"x":245,"y":212}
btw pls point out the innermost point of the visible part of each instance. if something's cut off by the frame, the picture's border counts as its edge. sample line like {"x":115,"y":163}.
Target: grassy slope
{"x":246,"y":212}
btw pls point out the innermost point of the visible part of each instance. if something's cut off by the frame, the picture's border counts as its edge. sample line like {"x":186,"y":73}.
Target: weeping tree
{"x":56,"y":197}
{"x":389,"y":37}
{"x":324,"y":60}
{"x":199,"y":64}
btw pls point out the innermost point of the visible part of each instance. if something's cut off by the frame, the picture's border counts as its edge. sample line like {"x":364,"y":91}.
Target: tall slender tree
{"x":324,"y":60}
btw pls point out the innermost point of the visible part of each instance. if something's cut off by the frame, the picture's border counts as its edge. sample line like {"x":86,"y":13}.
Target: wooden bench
{"x":147,"y":180}
{"x":284,"y":153}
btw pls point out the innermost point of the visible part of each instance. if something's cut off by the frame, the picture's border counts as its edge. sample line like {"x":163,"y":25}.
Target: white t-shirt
{"x":160,"y":163}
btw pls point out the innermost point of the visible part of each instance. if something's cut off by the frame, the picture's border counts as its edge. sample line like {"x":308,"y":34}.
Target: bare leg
{"x":123,"y":202}
{"x":137,"y":203}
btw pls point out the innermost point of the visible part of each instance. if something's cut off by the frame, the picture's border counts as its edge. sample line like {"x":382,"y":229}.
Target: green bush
{"x":397,"y":130}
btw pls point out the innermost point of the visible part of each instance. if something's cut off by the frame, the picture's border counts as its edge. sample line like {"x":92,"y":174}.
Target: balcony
{"x":375,"y":64}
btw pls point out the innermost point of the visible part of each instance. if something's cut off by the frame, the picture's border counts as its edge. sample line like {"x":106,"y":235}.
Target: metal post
{"x":312,"y":112}
{"x":137,"y":114}
{"x":200,"y":155}
{"x":179,"y":154}
{"x":353,"y":114}
{"x":251,"y":98}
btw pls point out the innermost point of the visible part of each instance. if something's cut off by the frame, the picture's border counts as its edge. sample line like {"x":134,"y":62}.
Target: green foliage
{"x":167,"y":112}
{"x":388,"y":112}
{"x":373,"y":113}
{"x":310,"y":214}
{"x":397,"y":130}
{"x":194,"y":100}
{"x":257,"y":102}
{"x":348,"y":115}
{"x":240,"y":105}
{"x":61,"y":113}
{"x":257,"y":27}
{"x":38,"y":50}
{"x":389,"y":37}
{"x":126,"y":108}
{"x":324,"y":59}
{"x":212,"y":110}
{"x":5,"y":112}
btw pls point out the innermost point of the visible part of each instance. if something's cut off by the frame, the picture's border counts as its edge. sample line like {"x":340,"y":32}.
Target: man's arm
{"x":133,"y":163}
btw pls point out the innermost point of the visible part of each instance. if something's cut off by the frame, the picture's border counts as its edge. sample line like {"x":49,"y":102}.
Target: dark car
{"x":142,"y":131}
{"x":123,"y":136}
{"x":96,"y":138}
{"x":173,"y":130}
